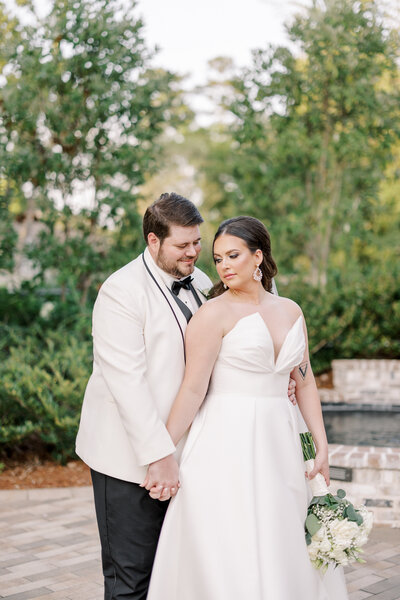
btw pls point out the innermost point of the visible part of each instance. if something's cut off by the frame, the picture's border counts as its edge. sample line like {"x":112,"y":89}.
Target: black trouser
{"x":129,"y":525}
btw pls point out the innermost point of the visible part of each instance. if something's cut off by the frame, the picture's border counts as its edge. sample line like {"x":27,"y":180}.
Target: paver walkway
{"x":49,"y":549}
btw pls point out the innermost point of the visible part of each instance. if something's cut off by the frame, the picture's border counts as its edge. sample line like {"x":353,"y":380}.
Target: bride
{"x":235,"y":530}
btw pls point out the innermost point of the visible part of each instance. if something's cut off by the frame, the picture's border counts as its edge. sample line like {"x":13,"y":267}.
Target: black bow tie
{"x":182,"y":283}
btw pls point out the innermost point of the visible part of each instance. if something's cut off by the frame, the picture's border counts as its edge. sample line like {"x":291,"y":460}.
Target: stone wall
{"x":364,"y":381}
{"x":375,"y":479}
{"x":375,"y":471}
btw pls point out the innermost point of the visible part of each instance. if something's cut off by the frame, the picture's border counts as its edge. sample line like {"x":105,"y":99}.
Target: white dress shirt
{"x":185,"y":296}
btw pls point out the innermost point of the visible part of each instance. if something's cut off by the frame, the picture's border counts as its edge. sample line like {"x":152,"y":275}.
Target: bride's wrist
{"x":322,"y":450}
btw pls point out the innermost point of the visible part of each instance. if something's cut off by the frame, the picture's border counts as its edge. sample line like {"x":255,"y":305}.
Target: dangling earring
{"x":257,"y":275}
{"x":225,"y":286}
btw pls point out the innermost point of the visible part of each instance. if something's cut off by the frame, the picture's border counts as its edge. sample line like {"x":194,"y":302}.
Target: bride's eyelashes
{"x":218,"y":260}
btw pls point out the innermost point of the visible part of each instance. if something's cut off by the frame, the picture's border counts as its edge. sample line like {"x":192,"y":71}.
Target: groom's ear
{"x":153,"y":241}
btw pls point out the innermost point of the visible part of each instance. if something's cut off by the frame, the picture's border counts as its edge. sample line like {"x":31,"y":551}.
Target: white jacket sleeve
{"x":119,"y":350}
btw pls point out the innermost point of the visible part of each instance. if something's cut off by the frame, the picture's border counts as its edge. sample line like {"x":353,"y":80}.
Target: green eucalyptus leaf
{"x":351,"y":513}
{"x":359,"y":518}
{"x":322,"y":501}
{"x":312,"y":524}
{"x":314,"y":501}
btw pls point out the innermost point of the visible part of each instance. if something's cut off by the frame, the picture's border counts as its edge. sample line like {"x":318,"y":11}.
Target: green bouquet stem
{"x":307,"y":445}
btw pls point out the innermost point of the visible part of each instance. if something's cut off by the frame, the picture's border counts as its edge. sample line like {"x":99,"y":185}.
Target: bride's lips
{"x":229,"y":276}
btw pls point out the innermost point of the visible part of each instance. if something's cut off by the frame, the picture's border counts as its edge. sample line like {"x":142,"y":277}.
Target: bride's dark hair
{"x":256,"y":237}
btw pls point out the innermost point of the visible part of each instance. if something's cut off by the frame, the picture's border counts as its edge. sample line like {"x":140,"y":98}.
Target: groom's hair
{"x":169,"y":209}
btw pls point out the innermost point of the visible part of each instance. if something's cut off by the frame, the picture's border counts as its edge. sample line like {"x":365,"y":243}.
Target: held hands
{"x":292,"y":391}
{"x":162,"y":479}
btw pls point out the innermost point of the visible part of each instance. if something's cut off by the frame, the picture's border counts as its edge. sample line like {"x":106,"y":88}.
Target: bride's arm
{"x":203,"y":340}
{"x":310,"y":407}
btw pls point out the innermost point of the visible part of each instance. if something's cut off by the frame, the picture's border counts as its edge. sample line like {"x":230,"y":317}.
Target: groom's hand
{"x":162,"y":479}
{"x":292,"y":391}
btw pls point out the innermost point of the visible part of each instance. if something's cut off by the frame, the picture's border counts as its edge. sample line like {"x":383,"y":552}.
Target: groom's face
{"x":178,"y":253}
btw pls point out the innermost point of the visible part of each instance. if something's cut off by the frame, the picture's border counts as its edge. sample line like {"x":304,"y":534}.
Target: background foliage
{"x":307,"y":139}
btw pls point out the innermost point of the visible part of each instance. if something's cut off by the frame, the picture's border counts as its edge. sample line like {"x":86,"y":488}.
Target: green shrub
{"x":21,"y":307}
{"x":359,"y":318}
{"x":42,"y":384}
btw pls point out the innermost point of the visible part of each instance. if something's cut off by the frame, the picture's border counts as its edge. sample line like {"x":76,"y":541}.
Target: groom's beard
{"x":176,"y":268}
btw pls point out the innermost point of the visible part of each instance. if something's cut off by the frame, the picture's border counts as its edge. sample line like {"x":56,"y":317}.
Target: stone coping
{"x":46,"y":494}
{"x":372,"y":457}
{"x":357,"y":396}
{"x":367,"y":363}
{"x":340,"y":406}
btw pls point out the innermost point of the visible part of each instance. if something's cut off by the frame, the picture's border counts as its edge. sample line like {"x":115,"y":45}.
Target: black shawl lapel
{"x":165,"y":294}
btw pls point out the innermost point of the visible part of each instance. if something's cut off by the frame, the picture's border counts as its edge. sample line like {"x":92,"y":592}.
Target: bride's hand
{"x":162,"y":479}
{"x":292,"y":391}
{"x":321,"y":465}
{"x":160,"y":493}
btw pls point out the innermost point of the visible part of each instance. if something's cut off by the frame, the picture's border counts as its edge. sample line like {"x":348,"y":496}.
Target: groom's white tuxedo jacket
{"x":138,"y":366}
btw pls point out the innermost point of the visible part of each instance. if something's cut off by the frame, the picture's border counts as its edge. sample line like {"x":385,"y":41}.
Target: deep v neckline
{"x":257,"y":313}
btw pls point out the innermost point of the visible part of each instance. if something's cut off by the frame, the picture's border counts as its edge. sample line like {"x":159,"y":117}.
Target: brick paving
{"x":49,"y":549}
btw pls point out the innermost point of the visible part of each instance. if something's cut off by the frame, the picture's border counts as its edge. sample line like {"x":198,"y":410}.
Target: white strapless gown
{"x":235,"y":530}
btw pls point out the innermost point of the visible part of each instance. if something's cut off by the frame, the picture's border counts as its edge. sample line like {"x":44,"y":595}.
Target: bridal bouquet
{"x":335,"y":529}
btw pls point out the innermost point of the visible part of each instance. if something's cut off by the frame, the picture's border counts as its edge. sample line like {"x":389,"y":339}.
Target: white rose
{"x":313,"y":550}
{"x":339,"y":556}
{"x":365,"y":528}
{"x":321,"y":533}
{"x":325,"y":545}
{"x":321,"y":537}
{"x":368,"y":517}
{"x":343,"y":532}
{"x":205,"y":291}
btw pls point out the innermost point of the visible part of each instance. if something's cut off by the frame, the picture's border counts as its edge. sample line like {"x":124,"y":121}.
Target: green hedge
{"x":359,"y":318}
{"x":43,"y":379}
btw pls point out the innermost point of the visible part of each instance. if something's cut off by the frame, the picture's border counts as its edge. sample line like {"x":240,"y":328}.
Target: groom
{"x":139,"y":322}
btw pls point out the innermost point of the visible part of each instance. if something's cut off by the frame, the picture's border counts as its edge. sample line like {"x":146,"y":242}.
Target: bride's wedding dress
{"x":235,"y":530}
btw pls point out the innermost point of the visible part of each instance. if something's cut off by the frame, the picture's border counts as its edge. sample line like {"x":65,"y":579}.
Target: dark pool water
{"x":360,"y":427}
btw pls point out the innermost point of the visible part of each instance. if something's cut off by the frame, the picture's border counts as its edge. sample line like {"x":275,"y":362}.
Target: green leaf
{"x":322,"y":501}
{"x":351,"y":513}
{"x":315,"y":500}
{"x":341,"y":493}
{"x":359,"y":519}
{"x":312,"y":524}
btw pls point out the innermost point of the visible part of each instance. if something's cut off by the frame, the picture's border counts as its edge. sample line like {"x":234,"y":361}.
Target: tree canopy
{"x":315,"y":130}
{"x":81,"y":114}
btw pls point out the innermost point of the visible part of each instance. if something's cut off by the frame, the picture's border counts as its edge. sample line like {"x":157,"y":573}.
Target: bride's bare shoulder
{"x":290,"y":306}
{"x":211,"y":313}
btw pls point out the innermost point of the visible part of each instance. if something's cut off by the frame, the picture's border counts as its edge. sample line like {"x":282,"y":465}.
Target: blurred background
{"x":289,"y":112}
